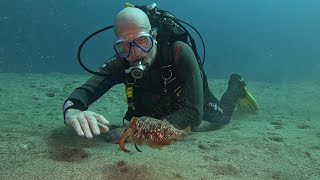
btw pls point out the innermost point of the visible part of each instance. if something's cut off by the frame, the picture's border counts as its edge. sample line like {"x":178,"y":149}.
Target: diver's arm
{"x":96,"y":86}
{"x":84,"y":122}
{"x":188,"y":73}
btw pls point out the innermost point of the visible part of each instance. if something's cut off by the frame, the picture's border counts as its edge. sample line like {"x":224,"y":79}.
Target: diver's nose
{"x":135,"y":54}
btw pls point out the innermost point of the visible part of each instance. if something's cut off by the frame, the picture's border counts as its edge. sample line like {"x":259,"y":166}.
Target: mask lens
{"x":122,"y":48}
{"x":145,"y":43}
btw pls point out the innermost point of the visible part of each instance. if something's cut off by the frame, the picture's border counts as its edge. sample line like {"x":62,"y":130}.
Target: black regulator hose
{"x":81,"y":46}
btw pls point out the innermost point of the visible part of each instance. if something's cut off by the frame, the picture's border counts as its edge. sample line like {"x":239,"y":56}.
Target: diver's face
{"x":129,"y":32}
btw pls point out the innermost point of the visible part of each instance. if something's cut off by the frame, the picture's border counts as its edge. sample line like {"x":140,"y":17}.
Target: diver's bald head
{"x":131,"y":16}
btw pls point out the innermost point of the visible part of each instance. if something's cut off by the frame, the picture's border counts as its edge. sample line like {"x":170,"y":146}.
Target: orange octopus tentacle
{"x":123,"y":139}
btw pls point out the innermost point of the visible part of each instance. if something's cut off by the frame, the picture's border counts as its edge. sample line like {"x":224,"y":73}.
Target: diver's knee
{"x":225,"y":119}
{"x":218,"y":121}
{"x":217,"y":118}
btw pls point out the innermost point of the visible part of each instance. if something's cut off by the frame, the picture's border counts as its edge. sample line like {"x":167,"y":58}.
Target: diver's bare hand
{"x":86,"y":123}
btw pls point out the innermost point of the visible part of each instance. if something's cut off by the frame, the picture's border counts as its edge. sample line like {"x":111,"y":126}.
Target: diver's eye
{"x":144,"y":42}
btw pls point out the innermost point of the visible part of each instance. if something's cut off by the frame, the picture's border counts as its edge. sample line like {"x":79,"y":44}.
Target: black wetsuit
{"x":173,"y":91}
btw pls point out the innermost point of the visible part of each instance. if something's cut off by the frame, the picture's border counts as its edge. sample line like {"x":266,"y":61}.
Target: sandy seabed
{"x":281,"y":141}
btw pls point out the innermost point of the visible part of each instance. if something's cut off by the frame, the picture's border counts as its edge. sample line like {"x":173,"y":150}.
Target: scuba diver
{"x":163,"y":80}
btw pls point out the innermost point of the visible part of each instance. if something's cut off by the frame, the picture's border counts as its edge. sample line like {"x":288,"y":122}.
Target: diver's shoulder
{"x":179,"y":44}
{"x":114,"y":60}
{"x":113,"y":65}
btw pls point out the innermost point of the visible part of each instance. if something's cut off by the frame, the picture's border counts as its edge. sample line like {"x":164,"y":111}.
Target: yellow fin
{"x":186,"y":131}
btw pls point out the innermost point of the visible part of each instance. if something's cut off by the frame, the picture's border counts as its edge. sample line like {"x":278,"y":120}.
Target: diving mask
{"x":143,"y":42}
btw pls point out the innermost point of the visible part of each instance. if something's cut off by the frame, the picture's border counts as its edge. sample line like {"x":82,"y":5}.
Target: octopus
{"x":152,"y":132}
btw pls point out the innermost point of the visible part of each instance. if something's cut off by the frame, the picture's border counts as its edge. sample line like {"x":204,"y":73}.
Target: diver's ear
{"x":154,"y":33}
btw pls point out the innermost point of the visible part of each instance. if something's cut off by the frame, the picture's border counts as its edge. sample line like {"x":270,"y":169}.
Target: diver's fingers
{"x":93,"y":123}
{"x":85,"y":127}
{"x":103,"y":128}
{"x":103,"y":123}
{"x":77,"y":127}
{"x":101,"y":119}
